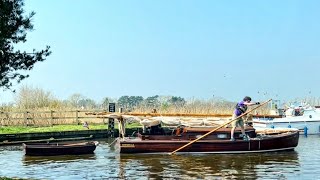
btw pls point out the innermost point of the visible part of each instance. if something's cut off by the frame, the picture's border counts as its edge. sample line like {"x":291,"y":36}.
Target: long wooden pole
{"x":220,"y":127}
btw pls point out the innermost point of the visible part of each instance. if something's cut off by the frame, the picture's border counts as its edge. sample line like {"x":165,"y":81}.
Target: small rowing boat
{"x":61,"y":148}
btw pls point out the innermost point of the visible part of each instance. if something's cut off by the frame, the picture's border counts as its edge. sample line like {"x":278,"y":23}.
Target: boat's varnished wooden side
{"x":51,"y":149}
{"x":167,"y":144}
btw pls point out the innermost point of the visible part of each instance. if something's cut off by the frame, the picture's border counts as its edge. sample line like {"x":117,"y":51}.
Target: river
{"x":106,"y":163}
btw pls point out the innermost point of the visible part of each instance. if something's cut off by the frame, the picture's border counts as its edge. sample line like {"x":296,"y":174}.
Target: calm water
{"x":303,"y":163}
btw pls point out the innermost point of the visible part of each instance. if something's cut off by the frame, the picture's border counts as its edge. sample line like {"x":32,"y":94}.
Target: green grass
{"x":6,"y":178}
{"x":56,"y":128}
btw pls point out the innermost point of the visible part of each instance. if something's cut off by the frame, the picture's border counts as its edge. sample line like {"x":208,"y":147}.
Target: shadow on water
{"x":31,"y":160}
{"x":248,"y":166}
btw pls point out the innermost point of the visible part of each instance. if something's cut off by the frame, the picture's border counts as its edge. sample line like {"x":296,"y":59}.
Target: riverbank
{"x":58,"y":128}
{"x":18,"y":138}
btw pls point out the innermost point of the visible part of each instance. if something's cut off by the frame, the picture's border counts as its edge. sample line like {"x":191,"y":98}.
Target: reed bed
{"x":48,"y":117}
{"x":197,"y":107}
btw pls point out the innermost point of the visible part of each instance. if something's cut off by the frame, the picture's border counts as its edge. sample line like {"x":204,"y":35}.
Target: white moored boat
{"x":307,"y":120}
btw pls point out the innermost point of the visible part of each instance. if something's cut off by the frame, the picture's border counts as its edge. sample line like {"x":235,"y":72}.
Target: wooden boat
{"x":159,"y":140}
{"x":182,"y":139}
{"x":63,"y":148}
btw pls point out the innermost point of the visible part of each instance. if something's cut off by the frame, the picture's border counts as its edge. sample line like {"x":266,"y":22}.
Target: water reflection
{"x":266,"y":165}
{"x":107,"y":163}
{"x":31,"y":160}
{"x":11,"y":148}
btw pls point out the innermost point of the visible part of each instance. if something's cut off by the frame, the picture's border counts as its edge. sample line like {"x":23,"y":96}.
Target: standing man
{"x":241,"y":108}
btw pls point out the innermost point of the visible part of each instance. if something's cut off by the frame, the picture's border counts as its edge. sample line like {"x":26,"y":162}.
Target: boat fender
{"x":177,"y":131}
{"x":180,"y":131}
{"x":305,"y":130}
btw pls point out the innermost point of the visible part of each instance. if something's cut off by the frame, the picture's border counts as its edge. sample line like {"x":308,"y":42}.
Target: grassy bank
{"x":56,"y":128}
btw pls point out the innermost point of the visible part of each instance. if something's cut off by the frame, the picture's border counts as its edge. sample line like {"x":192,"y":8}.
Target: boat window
{"x":298,"y":112}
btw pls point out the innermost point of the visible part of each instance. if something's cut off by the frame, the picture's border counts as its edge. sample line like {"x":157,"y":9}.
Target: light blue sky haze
{"x":186,"y":48}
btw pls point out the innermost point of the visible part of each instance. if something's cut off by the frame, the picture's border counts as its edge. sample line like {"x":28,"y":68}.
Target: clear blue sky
{"x":184,"y":48}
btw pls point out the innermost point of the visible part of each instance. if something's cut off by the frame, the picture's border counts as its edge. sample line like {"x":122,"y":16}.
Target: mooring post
{"x":305,"y":131}
{"x":122,"y":124}
{"x":111,"y":127}
{"x":112,"y":108}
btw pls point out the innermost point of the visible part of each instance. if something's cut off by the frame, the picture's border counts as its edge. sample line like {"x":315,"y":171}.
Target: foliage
{"x":162,"y":104}
{"x":152,"y":102}
{"x":31,"y":98}
{"x":87,"y":103}
{"x":130,"y":102}
{"x":177,"y":101}
{"x":6,"y":178}
{"x":13,"y":30}
{"x":105,"y":102}
{"x":77,"y":101}
{"x":74,"y":99}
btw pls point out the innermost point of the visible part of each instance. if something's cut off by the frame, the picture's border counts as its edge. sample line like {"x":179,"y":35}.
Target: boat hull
{"x":308,"y":123}
{"x":286,"y":141}
{"x":53,"y":149}
{"x":309,"y":127}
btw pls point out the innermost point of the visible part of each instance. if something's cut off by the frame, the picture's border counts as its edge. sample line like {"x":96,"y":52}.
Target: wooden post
{"x":8,"y":117}
{"x":122,"y":123}
{"x":26,"y":118}
{"x":1,"y":118}
{"x":103,"y":118}
{"x":122,"y":128}
{"x":51,"y":120}
{"x":77,"y":117}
